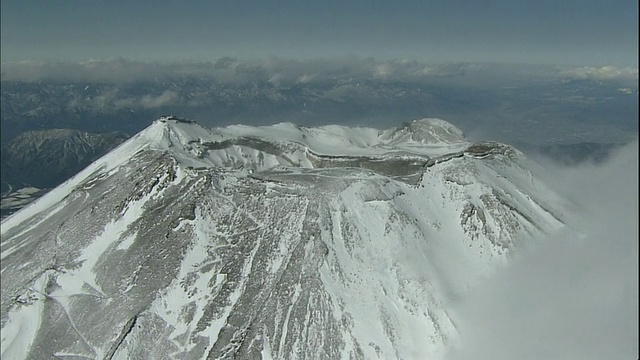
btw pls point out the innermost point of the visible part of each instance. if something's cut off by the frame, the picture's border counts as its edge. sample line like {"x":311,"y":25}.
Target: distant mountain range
{"x":537,"y":111}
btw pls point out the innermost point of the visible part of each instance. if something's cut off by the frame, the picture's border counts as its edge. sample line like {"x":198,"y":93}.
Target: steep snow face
{"x":276,"y":242}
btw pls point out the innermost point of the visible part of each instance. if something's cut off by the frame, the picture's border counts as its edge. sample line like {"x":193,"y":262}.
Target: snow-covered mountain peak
{"x":272,"y":242}
{"x":286,"y":144}
{"x":167,"y":132}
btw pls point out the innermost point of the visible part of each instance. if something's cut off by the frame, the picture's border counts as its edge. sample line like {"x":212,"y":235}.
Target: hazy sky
{"x":568,"y":32}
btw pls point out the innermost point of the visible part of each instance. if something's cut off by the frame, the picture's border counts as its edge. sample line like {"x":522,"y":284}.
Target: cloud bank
{"x":279,"y":71}
{"x":573,"y":295}
{"x":602,"y":73}
{"x":226,"y":70}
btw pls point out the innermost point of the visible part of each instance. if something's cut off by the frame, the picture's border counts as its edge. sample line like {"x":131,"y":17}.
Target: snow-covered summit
{"x":272,"y":242}
{"x":328,"y":139}
{"x":286,"y":144}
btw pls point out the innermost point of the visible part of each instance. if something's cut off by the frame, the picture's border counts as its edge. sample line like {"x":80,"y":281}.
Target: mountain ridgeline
{"x":273,"y":242}
{"x":46,"y":158}
{"x":43,"y":159}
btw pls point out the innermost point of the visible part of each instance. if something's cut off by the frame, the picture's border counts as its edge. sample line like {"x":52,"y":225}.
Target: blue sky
{"x":568,"y":32}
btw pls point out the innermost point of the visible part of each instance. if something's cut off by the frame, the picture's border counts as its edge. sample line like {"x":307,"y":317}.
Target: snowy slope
{"x":277,"y":242}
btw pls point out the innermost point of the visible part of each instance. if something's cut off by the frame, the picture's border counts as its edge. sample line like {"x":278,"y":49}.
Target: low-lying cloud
{"x":279,"y":71}
{"x":113,"y":99}
{"x":602,"y":73}
{"x":573,"y":295}
{"x":166,"y":98}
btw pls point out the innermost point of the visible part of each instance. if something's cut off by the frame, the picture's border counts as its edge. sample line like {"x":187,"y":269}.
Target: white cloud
{"x":111,"y":98}
{"x":283,"y":72}
{"x":225,"y":70}
{"x":110,"y":70}
{"x":573,"y":295}
{"x":166,"y":98}
{"x":601,"y":73}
